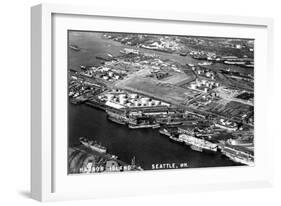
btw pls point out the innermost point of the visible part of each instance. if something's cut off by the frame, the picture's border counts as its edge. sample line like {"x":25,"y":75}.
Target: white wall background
{"x":15,"y":101}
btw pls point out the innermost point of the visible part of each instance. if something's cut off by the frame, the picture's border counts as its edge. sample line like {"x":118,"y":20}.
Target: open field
{"x":166,"y":92}
{"x":177,"y":78}
{"x":165,"y":89}
{"x":147,"y":86}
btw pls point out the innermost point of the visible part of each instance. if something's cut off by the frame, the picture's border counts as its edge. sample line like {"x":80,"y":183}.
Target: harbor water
{"x":148,"y":146}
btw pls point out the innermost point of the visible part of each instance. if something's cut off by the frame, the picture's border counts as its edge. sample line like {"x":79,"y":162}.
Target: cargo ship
{"x":170,"y":123}
{"x":117,"y":120}
{"x":234,"y":62}
{"x":129,"y":51}
{"x":198,"y":144}
{"x":238,"y":156}
{"x":116,"y":117}
{"x":141,"y":126}
{"x":92,"y":145}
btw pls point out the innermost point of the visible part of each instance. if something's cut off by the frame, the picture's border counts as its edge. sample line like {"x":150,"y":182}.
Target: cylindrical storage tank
{"x":144,"y":100}
{"x":122,"y":101}
{"x":122,"y":95}
{"x":157,"y":102}
{"x":109,"y":96}
{"x":193,"y":86}
{"x":133,"y":95}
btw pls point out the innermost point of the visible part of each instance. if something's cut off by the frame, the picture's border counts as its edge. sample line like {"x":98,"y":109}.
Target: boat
{"x":156,"y":126}
{"x":175,"y":138}
{"x":75,"y":101}
{"x":92,"y":145}
{"x":116,"y":117}
{"x":251,"y":65}
{"x":129,"y":51}
{"x":164,"y":132}
{"x":173,"y":123}
{"x":141,"y":126}
{"x":103,"y":58}
{"x":114,"y":157}
{"x":204,"y":63}
{"x":116,"y":120}
{"x":196,"y":148}
{"x":238,"y":156}
{"x":198,"y":144}
{"x":74,"y":47}
{"x":239,"y":159}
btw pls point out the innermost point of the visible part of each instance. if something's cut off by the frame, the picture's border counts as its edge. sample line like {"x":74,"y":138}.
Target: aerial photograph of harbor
{"x":139,"y":102}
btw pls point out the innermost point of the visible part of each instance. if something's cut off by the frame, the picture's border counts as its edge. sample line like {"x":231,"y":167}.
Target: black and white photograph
{"x":114,"y":103}
{"x":140,"y":102}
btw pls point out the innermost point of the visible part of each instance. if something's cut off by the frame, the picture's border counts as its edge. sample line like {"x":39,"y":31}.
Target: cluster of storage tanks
{"x":133,"y":100}
{"x":204,"y":85}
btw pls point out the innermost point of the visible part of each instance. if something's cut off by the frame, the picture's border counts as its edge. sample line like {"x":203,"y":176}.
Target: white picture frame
{"x":46,"y":180}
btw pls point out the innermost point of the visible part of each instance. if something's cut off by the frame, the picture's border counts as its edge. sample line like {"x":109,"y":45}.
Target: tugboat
{"x":164,"y":131}
{"x":74,"y":47}
{"x":92,"y":145}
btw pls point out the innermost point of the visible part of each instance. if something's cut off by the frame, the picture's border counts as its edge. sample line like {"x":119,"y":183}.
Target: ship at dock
{"x":171,"y":134}
{"x":117,"y":116}
{"x":143,"y":125}
{"x":93,"y":145}
{"x":238,"y":155}
{"x":198,"y":144}
{"x":74,"y":47}
{"x":116,"y":120}
{"x":164,"y":131}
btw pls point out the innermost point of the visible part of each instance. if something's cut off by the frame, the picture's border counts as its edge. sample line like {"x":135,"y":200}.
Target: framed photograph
{"x":139,"y":102}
